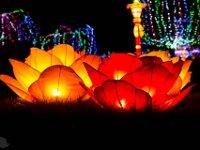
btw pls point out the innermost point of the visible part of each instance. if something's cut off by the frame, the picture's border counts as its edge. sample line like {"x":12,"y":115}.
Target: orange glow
{"x":137,"y":46}
{"x":121,"y":103}
{"x":34,"y":82}
{"x":119,"y":74}
{"x":149,"y":90}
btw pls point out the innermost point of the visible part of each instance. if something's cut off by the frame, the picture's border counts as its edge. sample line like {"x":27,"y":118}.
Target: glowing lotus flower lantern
{"x":51,"y":76}
{"x":126,"y":82}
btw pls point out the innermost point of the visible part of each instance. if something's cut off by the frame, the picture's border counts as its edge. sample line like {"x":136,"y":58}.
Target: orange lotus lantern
{"x":51,"y":76}
{"x":163,"y":81}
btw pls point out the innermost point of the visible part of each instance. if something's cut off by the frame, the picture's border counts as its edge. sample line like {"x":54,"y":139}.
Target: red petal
{"x":119,"y":65}
{"x":151,"y":59}
{"x":175,"y":69}
{"x":91,"y":93}
{"x":154,"y":79}
{"x":96,"y":77}
{"x":173,"y":101}
{"x":118,"y":94}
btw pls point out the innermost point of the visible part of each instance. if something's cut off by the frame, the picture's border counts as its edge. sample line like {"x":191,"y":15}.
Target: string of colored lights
{"x":82,"y":38}
{"x":171,"y":24}
{"x":18,"y":26}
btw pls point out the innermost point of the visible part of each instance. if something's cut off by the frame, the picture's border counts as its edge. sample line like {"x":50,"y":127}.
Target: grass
{"x":61,"y":125}
{"x":58,"y":125}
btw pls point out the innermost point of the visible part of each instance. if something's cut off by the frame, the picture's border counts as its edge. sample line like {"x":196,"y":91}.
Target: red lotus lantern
{"x":163,"y":81}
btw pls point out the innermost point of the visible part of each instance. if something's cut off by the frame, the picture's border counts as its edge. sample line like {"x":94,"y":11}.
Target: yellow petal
{"x":40,"y":59}
{"x":85,"y":97}
{"x":175,"y":59}
{"x":175,"y":90}
{"x":185,"y":68}
{"x":79,"y":68}
{"x":24,"y":73}
{"x":16,"y":87}
{"x":65,"y":53}
{"x":186,"y":79}
{"x":163,"y":55}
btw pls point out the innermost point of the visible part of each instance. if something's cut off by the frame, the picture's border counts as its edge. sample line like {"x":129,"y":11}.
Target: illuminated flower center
{"x":149,"y":90}
{"x":119,"y":74}
{"x":121,"y":103}
{"x":56,"y":92}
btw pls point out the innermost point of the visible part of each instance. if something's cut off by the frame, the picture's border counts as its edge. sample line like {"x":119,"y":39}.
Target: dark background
{"x":111,"y":21}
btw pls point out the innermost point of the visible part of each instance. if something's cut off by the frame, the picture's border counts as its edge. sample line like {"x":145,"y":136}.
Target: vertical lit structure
{"x":136,"y":11}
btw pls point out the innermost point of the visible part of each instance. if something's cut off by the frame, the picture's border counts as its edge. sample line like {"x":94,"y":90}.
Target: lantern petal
{"x":119,"y":65}
{"x":154,"y":79}
{"x":57,"y":84}
{"x":90,"y":92}
{"x":40,"y":59}
{"x":16,"y":87}
{"x":175,"y":59}
{"x":24,"y":73}
{"x":151,"y":59}
{"x":143,"y":100}
{"x":163,"y":55}
{"x":118,"y":94}
{"x":65,"y":53}
{"x":175,"y":100}
{"x":168,"y":65}
{"x":175,"y":68}
{"x":185,"y":68}
{"x":186,"y":79}
{"x":175,"y":90}
{"x":79,"y":68}
{"x":96,"y":77}
{"x":85,"y":97}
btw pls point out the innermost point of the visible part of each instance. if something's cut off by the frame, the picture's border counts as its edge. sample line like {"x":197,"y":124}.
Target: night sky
{"x":111,"y":21}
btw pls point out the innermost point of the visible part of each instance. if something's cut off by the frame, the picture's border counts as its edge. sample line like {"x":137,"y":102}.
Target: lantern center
{"x":119,"y":74}
{"x":121,"y":103}
{"x":56,"y":92}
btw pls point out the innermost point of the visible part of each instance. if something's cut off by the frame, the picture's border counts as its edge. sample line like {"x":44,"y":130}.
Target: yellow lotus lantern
{"x":51,"y":76}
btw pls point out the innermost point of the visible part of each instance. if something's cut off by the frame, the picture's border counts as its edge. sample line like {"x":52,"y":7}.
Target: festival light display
{"x":19,"y":26}
{"x":172,"y":25}
{"x":82,"y":38}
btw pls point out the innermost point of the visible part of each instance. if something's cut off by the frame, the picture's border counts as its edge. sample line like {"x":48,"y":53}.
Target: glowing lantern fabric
{"x":25,"y":75}
{"x":79,"y":68}
{"x":119,"y":64}
{"x":57,"y":84}
{"x":162,"y":80}
{"x":65,"y":53}
{"x":40,"y":59}
{"x":55,"y":72}
{"x":154,"y":79}
{"x":113,"y":96}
